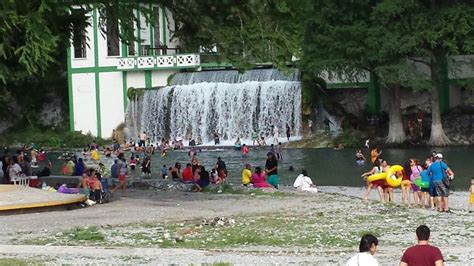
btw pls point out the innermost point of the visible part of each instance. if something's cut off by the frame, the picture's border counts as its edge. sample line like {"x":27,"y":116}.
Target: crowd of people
{"x":426,"y":183}
{"x":26,"y":161}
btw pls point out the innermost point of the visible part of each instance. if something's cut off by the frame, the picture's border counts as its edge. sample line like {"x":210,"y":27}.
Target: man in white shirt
{"x":304,"y":183}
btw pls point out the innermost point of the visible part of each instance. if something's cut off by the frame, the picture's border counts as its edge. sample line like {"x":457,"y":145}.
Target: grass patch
{"x":18,"y":262}
{"x":90,"y":234}
{"x":230,"y":189}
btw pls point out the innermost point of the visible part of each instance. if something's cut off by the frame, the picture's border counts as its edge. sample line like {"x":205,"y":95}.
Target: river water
{"x":325,"y":166}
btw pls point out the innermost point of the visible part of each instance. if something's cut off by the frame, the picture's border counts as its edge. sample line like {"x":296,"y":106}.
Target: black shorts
{"x":432,"y":191}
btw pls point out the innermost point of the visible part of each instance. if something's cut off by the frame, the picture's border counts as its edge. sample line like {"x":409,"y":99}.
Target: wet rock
{"x":218,"y":221}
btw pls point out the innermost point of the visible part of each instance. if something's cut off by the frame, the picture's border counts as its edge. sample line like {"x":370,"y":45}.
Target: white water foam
{"x":234,"y":110}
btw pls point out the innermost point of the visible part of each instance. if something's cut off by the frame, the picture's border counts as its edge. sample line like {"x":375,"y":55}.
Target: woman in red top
{"x":188,"y":174}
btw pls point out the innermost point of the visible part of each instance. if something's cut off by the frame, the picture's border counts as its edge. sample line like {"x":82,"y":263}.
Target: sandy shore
{"x":336,"y":212}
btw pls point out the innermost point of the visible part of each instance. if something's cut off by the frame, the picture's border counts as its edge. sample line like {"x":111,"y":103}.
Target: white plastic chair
{"x":21,"y":180}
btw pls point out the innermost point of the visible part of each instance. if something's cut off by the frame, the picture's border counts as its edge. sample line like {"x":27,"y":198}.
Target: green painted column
{"x":148,"y":83}
{"x":70,"y":91}
{"x":373,"y":95}
{"x":97,"y":78}
{"x":443,"y":92}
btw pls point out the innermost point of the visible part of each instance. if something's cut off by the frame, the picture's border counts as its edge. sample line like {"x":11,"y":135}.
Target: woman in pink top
{"x":416,"y":169}
{"x":259,"y":178}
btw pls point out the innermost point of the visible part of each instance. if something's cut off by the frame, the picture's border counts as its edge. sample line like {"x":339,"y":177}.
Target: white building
{"x":101,"y":68}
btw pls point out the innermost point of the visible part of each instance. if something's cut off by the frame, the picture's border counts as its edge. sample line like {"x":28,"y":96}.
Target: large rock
{"x":53,"y":113}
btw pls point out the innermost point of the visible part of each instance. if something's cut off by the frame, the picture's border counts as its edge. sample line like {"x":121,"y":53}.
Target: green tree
{"x":430,"y":33}
{"x":341,"y":39}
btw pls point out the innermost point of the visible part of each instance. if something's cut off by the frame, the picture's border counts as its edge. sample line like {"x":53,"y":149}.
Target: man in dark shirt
{"x":271,"y":168}
{"x":422,"y":254}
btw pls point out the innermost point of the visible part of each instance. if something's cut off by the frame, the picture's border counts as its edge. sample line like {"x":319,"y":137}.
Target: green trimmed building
{"x":101,"y":68}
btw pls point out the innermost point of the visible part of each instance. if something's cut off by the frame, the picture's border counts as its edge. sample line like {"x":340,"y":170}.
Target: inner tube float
{"x":423,"y":180}
{"x":376,"y":177}
{"x":392,"y":179}
{"x":421,"y":183}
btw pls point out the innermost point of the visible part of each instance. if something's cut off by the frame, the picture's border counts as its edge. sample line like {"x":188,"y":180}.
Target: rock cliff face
{"x":459,"y":126}
{"x":51,"y":112}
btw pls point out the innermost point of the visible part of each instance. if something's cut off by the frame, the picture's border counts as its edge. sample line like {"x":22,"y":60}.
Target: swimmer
{"x":360,"y":158}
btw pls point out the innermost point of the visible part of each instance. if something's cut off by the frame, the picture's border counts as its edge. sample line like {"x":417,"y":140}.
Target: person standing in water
{"x":245,"y":151}
{"x":254,"y":138}
{"x":216,"y":138}
{"x":288,"y":132}
{"x":275,"y":134}
{"x":271,"y":168}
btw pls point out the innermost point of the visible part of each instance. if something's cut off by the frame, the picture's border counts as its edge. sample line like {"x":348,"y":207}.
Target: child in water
{"x":133,"y":162}
{"x":471,"y":198}
{"x":164,"y":172}
{"x":245,"y":150}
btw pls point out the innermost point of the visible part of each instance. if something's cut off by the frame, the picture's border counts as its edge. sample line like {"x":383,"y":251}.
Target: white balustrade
{"x":159,"y":61}
{"x":126,"y":63}
{"x":165,"y":61}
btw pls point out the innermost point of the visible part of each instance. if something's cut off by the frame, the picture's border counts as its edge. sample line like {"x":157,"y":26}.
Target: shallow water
{"x":325,"y":166}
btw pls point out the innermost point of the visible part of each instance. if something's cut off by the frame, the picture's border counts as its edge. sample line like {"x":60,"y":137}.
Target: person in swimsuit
{"x":406,"y":184}
{"x":377,"y":169}
{"x":416,"y":170}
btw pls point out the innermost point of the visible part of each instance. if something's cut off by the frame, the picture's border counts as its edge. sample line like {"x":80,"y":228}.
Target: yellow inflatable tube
{"x":375,"y":177}
{"x":392,"y":178}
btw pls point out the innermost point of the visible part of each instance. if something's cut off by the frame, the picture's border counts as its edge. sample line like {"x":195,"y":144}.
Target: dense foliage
{"x":388,"y":38}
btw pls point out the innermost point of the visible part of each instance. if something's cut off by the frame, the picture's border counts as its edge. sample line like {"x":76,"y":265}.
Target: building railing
{"x":159,"y":62}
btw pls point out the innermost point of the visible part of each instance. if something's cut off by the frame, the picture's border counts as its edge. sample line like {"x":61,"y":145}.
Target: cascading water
{"x":233,"y":104}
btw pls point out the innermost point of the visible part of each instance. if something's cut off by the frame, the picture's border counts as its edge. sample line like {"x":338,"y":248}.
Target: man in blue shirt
{"x":438,"y":170}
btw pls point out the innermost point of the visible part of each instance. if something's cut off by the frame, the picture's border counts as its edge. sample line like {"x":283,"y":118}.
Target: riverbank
{"x":159,"y":227}
{"x":48,"y":139}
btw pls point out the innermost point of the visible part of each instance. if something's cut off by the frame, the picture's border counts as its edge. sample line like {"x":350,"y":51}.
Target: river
{"x":325,"y":166}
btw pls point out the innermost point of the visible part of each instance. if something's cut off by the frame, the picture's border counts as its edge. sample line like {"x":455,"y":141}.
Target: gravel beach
{"x":337,"y":213}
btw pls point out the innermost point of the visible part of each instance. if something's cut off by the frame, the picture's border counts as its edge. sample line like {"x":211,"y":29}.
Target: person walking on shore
{"x":440,"y":171}
{"x":367,"y":248}
{"x":122,"y":176}
{"x":423,"y":253}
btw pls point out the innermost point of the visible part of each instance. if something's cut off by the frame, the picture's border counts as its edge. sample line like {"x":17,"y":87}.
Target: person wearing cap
{"x":437,"y":170}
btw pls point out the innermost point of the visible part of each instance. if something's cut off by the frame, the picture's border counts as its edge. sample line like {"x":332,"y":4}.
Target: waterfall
{"x":231,"y":103}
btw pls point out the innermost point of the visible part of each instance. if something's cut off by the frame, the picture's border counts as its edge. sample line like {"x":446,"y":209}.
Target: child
{"x":146,"y":170}
{"x":245,"y":151}
{"x":214,"y":176}
{"x":95,"y":187}
{"x":133,"y":163}
{"x":471,"y":190}
{"x":164,"y":172}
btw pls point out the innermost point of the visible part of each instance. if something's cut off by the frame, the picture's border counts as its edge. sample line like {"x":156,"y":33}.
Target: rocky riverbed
{"x":172,"y":227}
